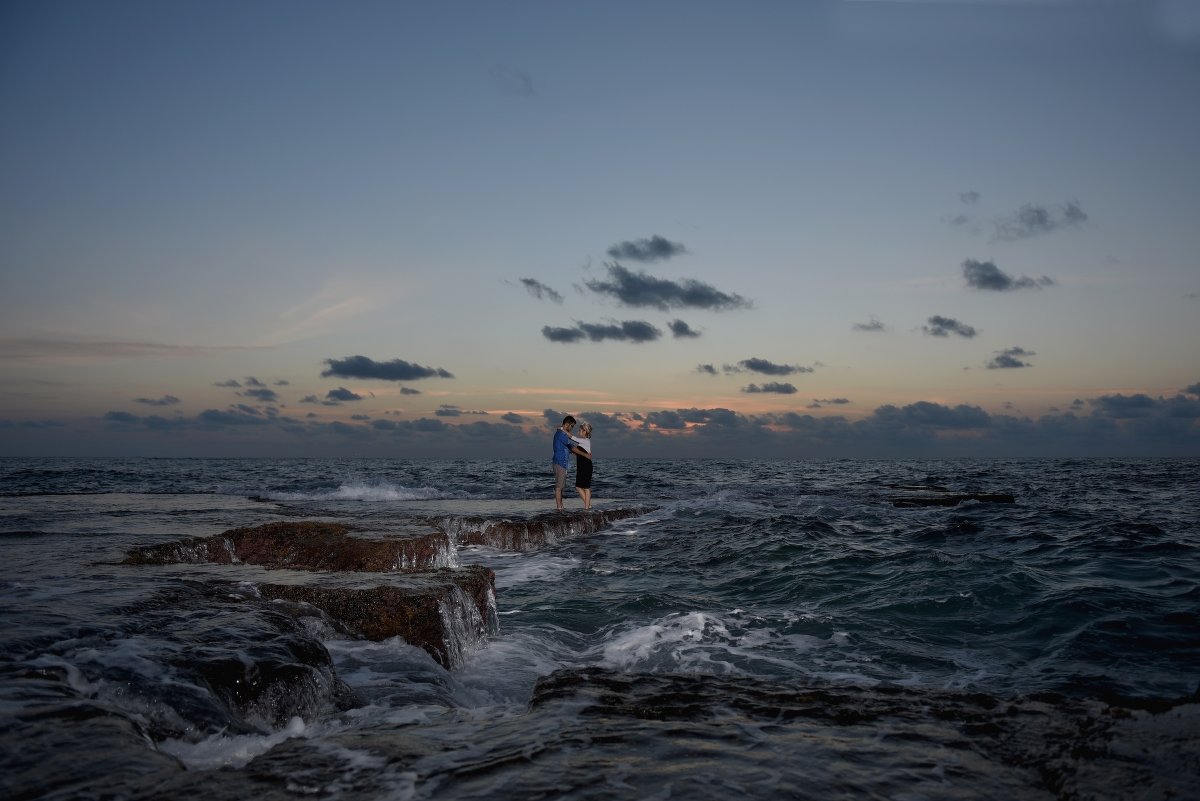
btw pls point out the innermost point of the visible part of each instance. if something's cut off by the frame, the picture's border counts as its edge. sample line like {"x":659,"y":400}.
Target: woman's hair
{"x":586,"y":428}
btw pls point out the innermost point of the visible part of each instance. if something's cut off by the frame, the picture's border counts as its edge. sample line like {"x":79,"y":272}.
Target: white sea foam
{"x":368,"y":491}
{"x":234,"y":751}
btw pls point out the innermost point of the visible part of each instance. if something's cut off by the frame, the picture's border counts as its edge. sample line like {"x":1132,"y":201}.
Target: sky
{"x":713,"y":229}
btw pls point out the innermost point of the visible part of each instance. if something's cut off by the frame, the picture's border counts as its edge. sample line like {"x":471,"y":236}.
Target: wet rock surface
{"x":445,"y":612}
{"x":596,"y":733}
{"x":304,"y":545}
{"x":517,"y":533}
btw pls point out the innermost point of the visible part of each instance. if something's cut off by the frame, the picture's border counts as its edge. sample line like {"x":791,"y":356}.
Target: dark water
{"x":749,"y":576}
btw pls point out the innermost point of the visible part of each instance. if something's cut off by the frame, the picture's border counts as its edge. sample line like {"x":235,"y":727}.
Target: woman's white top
{"x":584,"y":442}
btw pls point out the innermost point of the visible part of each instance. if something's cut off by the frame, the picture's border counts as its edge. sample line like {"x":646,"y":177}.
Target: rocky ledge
{"x":445,"y":612}
{"x":531,"y":533}
{"x":305,"y":545}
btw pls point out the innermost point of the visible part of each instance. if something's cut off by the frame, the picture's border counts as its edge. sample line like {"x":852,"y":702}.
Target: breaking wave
{"x":366,"y":491}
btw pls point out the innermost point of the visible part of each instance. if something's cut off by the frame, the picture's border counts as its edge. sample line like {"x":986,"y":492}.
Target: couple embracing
{"x":564,"y":445}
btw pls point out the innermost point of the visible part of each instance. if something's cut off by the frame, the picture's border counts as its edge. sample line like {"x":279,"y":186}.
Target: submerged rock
{"x":531,"y":533}
{"x":934,"y":495}
{"x":305,"y":545}
{"x":445,"y":612}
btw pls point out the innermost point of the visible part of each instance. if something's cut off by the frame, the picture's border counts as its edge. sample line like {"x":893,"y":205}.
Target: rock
{"x":305,"y":545}
{"x":531,"y":533}
{"x":940,"y":496}
{"x":445,"y":612}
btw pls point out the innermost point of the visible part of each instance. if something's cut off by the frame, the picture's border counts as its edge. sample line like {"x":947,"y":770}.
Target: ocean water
{"x":633,"y":662}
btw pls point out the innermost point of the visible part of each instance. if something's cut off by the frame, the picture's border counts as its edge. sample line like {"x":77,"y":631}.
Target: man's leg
{"x":560,"y":480}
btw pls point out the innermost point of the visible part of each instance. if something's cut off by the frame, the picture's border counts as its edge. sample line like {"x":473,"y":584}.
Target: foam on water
{"x":229,"y":751}
{"x":367,"y":491}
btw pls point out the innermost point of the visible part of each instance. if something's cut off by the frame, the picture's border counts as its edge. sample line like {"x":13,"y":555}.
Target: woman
{"x":583,"y":465}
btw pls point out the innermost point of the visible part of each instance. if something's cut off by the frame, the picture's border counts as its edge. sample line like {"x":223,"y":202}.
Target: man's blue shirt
{"x":562,"y":448}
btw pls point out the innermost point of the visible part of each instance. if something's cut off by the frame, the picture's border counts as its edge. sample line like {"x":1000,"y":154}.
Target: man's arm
{"x":578,"y":451}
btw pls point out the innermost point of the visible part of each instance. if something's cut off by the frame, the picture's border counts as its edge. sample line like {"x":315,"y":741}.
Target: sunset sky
{"x":796,"y":229}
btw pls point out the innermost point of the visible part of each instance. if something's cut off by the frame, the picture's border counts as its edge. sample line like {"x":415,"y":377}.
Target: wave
{"x":365,"y":491}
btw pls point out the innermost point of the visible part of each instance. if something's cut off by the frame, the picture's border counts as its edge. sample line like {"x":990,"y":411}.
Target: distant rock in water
{"x":531,"y":533}
{"x":934,"y":495}
{"x":445,"y":612}
{"x":305,"y":545}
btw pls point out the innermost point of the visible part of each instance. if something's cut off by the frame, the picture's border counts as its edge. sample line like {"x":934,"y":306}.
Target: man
{"x":563,"y":447}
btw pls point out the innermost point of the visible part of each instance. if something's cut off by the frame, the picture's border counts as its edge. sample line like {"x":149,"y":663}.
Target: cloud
{"x":540,"y":290}
{"x":640,"y":289}
{"x":970,"y":198}
{"x":636,"y":331}
{"x":632,"y":330}
{"x":512,"y":417}
{"x":681,"y":329}
{"x":310,"y":399}
{"x":283,"y":383}
{"x":165,"y":400}
{"x":986,"y":275}
{"x":1030,"y":221}
{"x":122,"y":417}
{"x":1194,"y":389}
{"x":934,"y":415}
{"x":342,"y":394}
{"x":512,"y":81}
{"x":264,"y":394}
{"x":817,"y":403}
{"x":232,"y":383}
{"x":450,"y":410}
{"x":707,"y":369}
{"x":562,"y":334}
{"x":945,"y":326}
{"x":395,"y":370}
{"x":756,"y":365}
{"x":874,"y":325}
{"x":216,"y":417}
{"x":1010,"y":358}
{"x":409,"y":391}
{"x":647,"y":250}
{"x":251,"y":381}
{"x":782,"y":389}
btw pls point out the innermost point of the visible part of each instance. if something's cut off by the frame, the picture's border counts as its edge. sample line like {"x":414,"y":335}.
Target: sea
{"x":767,"y":629}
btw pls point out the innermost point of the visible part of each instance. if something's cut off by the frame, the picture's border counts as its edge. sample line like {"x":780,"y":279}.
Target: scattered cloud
{"x":647,"y":250}
{"x":283,"y":383}
{"x":217,"y":417}
{"x":970,"y":198}
{"x":945,"y":326}
{"x":342,"y":394}
{"x":641,"y":289}
{"x":512,"y":417}
{"x":450,"y":410}
{"x":775,"y":387}
{"x":636,"y":331}
{"x":251,"y":381}
{"x":1031,"y":220}
{"x":512,"y":81}
{"x":707,"y":369}
{"x":1194,"y":389}
{"x":756,"y":365}
{"x":681,"y":329}
{"x":986,"y":275}
{"x":873,"y":325}
{"x":165,"y":400}
{"x":264,"y":394}
{"x":409,"y":391}
{"x":555,"y":334}
{"x":231,"y":383}
{"x":394,"y":370}
{"x":818,"y":403}
{"x":540,"y":290}
{"x":1010,"y":358}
